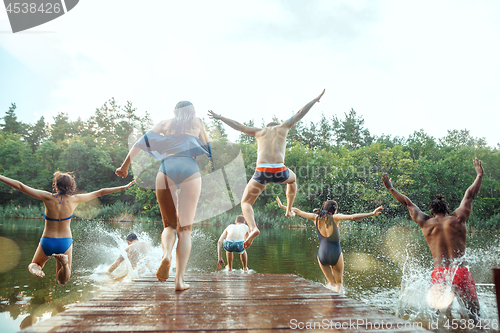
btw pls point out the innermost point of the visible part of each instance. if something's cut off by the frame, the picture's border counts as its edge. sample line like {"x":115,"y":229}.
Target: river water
{"x":388,"y":269}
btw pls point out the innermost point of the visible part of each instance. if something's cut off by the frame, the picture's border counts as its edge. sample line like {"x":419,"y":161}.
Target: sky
{"x":401,"y":65}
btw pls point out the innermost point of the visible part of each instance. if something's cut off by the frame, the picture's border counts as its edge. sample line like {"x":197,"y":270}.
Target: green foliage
{"x":333,"y":159}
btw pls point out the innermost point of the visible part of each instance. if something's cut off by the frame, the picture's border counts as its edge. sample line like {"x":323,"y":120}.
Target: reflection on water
{"x":387,"y":269}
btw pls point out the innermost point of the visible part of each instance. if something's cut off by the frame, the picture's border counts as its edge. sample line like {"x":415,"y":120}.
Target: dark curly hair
{"x":439,"y":205}
{"x":63,"y":183}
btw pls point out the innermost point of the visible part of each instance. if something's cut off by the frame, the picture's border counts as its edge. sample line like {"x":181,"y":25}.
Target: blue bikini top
{"x":182,"y":145}
{"x":49,"y":219}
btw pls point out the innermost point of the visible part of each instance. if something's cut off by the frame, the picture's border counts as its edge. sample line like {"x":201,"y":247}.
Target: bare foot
{"x":36,"y":270}
{"x":180,"y":286}
{"x":62,"y":258}
{"x":339,"y":288}
{"x":228,"y":269}
{"x":164,"y":269}
{"x":249,"y":240}
{"x":245,"y":269}
{"x":289,"y":214}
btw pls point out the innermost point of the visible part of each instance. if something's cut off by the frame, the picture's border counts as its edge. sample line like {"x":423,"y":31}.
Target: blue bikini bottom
{"x":52,"y":246}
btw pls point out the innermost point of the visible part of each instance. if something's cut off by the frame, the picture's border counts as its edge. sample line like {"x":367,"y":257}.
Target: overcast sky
{"x":402,"y":65}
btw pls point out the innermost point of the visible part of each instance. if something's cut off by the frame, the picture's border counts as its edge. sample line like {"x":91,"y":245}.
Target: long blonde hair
{"x":184,"y":115}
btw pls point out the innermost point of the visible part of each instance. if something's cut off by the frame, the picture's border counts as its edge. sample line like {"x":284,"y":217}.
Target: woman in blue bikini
{"x":330,"y":256}
{"x":56,"y":239}
{"x":176,"y":142}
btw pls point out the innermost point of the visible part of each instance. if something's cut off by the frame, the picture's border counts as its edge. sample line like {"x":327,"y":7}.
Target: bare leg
{"x":166,"y":195}
{"x":252,"y":192}
{"x":338,"y":273}
{"x":188,"y":200}
{"x":229,"y":256}
{"x":328,"y":272}
{"x":39,"y":260}
{"x":63,"y":265}
{"x":244,"y":260}
{"x":291,"y":191}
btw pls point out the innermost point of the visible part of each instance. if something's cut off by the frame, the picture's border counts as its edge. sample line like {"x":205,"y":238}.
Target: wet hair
{"x":439,"y":205}
{"x":63,"y":183}
{"x":273,"y":123}
{"x":132,"y":237}
{"x":328,"y":207}
{"x":240,"y":219}
{"x":184,"y":116}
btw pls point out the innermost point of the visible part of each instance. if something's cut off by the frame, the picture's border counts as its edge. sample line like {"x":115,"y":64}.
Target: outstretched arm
{"x":220,"y":261}
{"x":306,"y":215}
{"x":17,"y":185}
{"x":299,"y":115}
{"x":92,"y":195}
{"x":465,"y":208}
{"x":360,"y":216}
{"x":234,"y":124}
{"x":122,"y":171}
{"x":416,"y":214}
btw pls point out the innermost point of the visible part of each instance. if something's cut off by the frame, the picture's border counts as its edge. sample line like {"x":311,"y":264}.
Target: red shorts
{"x":463,"y":282}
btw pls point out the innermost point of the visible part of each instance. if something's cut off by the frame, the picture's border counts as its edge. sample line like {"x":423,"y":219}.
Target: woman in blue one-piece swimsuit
{"x":56,"y":239}
{"x":330,"y":256}
{"x":176,"y":142}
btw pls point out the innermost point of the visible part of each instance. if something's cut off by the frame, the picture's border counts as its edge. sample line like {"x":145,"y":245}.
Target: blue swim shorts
{"x":235,"y":246}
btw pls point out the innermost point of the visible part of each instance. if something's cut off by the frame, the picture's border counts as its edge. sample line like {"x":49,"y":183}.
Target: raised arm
{"x":80,"y":198}
{"x":465,"y":208}
{"x":220,"y":261}
{"x":32,"y":192}
{"x":416,"y":214}
{"x":360,"y":216}
{"x":234,"y":124}
{"x":299,"y":115}
{"x":306,"y":215}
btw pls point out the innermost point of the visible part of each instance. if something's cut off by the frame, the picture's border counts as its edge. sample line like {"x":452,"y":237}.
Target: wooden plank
{"x":221,"y":302}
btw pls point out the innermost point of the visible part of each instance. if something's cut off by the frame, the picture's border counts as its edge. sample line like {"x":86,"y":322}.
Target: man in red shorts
{"x":446,"y":235}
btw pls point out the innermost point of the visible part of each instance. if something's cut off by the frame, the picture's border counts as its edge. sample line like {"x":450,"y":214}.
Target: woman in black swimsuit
{"x":330,"y":256}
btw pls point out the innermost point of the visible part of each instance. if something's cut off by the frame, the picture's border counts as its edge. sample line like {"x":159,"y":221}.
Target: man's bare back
{"x":446,"y":237}
{"x":271,"y":144}
{"x":136,"y":251}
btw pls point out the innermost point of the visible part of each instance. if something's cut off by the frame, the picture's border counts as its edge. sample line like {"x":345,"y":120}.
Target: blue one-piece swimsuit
{"x":329,"y":247}
{"x":180,"y":165}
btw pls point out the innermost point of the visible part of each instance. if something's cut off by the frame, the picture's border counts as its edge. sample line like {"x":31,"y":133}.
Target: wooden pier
{"x":223,"y":302}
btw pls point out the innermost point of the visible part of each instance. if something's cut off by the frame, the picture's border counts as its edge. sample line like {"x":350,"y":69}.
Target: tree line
{"x":335,"y":158}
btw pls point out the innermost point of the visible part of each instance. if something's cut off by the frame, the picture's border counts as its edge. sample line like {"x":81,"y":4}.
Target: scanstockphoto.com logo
{"x":26,"y":14}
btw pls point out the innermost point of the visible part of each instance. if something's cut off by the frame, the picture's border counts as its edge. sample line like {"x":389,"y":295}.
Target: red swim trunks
{"x":463,"y":282}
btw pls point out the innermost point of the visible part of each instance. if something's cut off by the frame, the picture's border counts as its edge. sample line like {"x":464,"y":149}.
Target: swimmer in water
{"x":446,"y":235}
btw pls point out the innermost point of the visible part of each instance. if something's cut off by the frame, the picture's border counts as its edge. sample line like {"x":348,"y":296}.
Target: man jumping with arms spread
{"x":271,"y":144}
{"x":446,"y":235}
